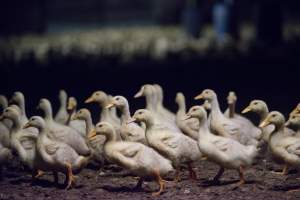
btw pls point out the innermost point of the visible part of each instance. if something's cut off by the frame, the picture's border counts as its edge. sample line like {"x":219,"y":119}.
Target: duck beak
{"x":200,"y":96}
{"x":265,"y":123}
{"x":131,"y":121}
{"x":89,"y":100}
{"x":92,"y":134}
{"x":247,"y":109}
{"x":139,"y":94}
{"x":27,"y":125}
{"x":110,"y":105}
{"x":187,"y":117}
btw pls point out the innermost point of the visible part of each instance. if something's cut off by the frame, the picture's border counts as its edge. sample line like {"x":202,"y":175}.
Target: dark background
{"x":269,"y":73}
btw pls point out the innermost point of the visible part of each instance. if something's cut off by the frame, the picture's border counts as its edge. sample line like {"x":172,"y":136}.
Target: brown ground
{"x":17,"y":185}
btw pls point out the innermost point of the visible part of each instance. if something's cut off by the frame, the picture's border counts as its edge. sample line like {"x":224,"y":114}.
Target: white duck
{"x":106,"y":115}
{"x":62,"y":114}
{"x":129,"y":131}
{"x":56,"y":155}
{"x":78,"y":125}
{"x":189,"y":127}
{"x":19,"y":99}
{"x":223,"y":126}
{"x":177,"y":147}
{"x":138,"y":158}
{"x":61,"y":132}
{"x":224,"y":151}
{"x":95,"y":144}
{"x":284,"y":147}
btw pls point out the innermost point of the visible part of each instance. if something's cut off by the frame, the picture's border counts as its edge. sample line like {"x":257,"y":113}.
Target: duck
{"x":78,"y":125}
{"x":95,"y":144}
{"x":227,"y":152}
{"x":253,"y":131}
{"x":222,"y":125}
{"x":62,"y":114}
{"x":19,"y":99}
{"x":175,"y":146}
{"x":22,"y":141}
{"x":150,"y":94}
{"x":129,"y":131}
{"x":296,"y":109}
{"x":189,"y":127}
{"x":56,"y":155}
{"x":62,"y":132}
{"x":284,"y":147}
{"x":136,"y":157}
{"x":106,"y":115}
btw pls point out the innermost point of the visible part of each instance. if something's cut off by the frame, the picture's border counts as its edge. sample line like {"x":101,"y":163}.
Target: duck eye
{"x":255,"y":103}
{"x":117,"y":98}
{"x":273,"y":115}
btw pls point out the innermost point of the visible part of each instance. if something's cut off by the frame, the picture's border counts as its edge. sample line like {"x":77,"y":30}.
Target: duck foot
{"x":70,"y":177}
{"x":161,"y":183}
{"x":284,"y":171}
{"x":39,"y":173}
{"x":177,"y":175}
{"x":242,"y":179}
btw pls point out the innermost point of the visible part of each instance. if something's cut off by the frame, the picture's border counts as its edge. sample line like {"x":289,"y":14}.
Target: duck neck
{"x":149,"y":122}
{"x":17,"y":124}
{"x":70,"y":113}
{"x":263,"y":113}
{"x":204,"y":129}
{"x":181,"y":107}
{"x":110,"y":136}
{"x":215,"y":108}
{"x":48,"y":113}
{"x":125,"y":113}
{"x":89,"y":124}
{"x":63,"y":103}
{"x":22,"y":107}
{"x":231,"y":107}
{"x":104,"y":111}
{"x":150,"y":102}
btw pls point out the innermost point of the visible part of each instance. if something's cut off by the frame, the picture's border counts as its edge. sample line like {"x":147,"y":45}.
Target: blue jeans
{"x":220,"y":17}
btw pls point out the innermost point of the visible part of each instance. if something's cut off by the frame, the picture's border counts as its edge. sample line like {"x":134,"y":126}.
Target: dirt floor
{"x":114,"y":184}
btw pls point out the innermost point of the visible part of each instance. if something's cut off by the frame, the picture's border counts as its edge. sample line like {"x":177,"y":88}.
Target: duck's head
{"x":179,"y":97}
{"x":98,"y":96}
{"x":296,"y":110}
{"x":206,"y":94}
{"x":62,"y":95}
{"x":102,"y":128}
{"x":44,"y":104}
{"x":3,"y":102}
{"x":11,"y":112}
{"x":81,"y":114}
{"x":36,"y":122}
{"x":17,"y":98}
{"x":231,"y":98}
{"x":275,"y":118}
{"x":141,"y":115}
{"x":256,"y":106}
{"x":196,"y":112}
{"x":118,"y":101}
{"x":294,"y":121}
{"x":72,"y":104}
{"x":144,"y":91}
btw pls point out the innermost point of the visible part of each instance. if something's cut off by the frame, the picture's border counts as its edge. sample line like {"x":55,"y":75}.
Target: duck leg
{"x":139,"y":183}
{"x":218,"y":175}
{"x":284,"y":171}
{"x":161,"y":183}
{"x":70,"y":176}
{"x":193,"y":174}
{"x":177,"y":175}
{"x":242,"y":178}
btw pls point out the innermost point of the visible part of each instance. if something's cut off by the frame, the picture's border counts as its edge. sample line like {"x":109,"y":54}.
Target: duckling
{"x":96,"y":144}
{"x":61,"y":132}
{"x":284,"y":148}
{"x":56,"y":155}
{"x":177,"y":147}
{"x":129,"y":131}
{"x":136,"y":157}
{"x":223,"y":126}
{"x":19,"y":99}
{"x":189,"y":127}
{"x":62,"y":114}
{"x":253,"y":131}
{"x":224,"y":151}
{"x":78,"y":125}
{"x":102,"y":99}
{"x":22,"y":141}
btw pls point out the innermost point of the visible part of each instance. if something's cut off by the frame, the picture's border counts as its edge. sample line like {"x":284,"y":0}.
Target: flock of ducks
{"x":151,"y":143}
